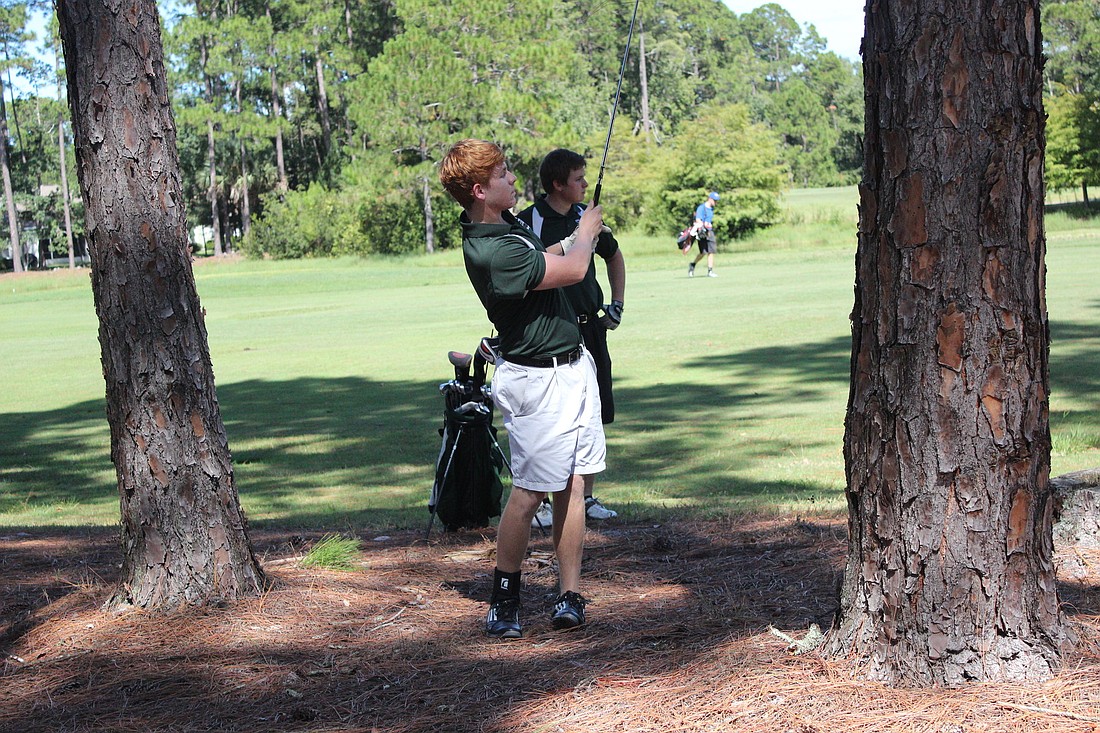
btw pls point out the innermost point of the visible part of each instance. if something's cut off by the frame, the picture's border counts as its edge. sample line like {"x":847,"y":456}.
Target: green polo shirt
{"x":505,"y":263}
{"x":586,"y":297}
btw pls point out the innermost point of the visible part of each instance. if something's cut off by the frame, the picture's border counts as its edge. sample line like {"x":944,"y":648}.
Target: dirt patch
{"x":677,"y":640}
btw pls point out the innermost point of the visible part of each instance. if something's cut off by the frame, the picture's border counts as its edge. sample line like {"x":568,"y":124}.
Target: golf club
{"x":615,"y":106}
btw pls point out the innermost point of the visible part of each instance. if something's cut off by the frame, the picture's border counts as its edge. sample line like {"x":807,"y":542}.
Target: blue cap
{"x":714,"y":195}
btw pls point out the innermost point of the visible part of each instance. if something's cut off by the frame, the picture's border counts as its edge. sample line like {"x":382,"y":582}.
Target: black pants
{"x":594,"y":336}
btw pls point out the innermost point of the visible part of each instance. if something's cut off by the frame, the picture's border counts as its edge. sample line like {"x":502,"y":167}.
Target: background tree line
{"x":312,"y":127}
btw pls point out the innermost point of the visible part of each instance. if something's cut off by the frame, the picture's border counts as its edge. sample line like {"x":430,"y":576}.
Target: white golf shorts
{"x":553,"y":420}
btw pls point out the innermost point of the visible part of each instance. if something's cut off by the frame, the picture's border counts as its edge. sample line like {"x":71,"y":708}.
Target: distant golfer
{"x":704,"y":234}
{"x":553,"y":218}
{"x":544,"y":383}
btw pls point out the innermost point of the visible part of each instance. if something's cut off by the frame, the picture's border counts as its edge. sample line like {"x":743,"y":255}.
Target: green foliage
{"x":1073,"y":140}
{"x":333,"y":552}
{"x":721,"y":150}
{"x":797,"y":114}
{"x":310,"y":223}
{"x":392,"y":212}
{"x":365,"y":97}
{"x":1071,"y":30}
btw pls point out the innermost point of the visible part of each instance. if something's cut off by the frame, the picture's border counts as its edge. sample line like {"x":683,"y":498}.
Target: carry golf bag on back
{"x":467,"y":488}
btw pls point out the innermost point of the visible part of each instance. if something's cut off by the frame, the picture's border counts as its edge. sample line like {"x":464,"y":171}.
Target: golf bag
{"x":467,"y":488}
{"x":685,"y":240}
{"x":687,"y":237}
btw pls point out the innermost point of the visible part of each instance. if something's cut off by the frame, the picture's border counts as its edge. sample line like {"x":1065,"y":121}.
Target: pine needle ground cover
{"x":677,"y":640}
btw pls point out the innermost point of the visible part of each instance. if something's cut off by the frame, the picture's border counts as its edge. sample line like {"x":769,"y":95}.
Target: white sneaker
{"x":595,"y":510}
{"x":544,"y":517}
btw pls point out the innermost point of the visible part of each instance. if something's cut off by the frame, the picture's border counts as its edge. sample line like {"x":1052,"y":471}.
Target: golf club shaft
{"x":615,"y":106}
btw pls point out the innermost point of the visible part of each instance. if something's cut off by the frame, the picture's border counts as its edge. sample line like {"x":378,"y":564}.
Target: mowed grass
{"x":730,"y":391}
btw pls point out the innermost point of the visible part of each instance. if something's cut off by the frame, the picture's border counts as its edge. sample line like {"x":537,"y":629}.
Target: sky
{"x":839,"y":22}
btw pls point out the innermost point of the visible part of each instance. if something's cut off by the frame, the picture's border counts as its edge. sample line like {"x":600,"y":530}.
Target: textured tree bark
{"x":184,"y":537}
{"x":947,"y":442}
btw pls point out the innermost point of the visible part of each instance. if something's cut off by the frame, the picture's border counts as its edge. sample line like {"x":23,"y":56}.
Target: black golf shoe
{"x":568,"y":612}
{"x":503,"y":619}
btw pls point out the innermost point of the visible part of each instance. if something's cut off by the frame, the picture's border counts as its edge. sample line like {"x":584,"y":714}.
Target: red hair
{"x":466,"y":163}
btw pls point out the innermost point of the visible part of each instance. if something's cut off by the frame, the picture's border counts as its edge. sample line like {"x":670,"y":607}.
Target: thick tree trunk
{"x":184,"y":536}
{"x":947,"y":444}
{"x":9,"y":192}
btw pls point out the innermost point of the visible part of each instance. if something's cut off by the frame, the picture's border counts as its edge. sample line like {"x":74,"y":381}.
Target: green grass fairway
{"x":730,"y":391}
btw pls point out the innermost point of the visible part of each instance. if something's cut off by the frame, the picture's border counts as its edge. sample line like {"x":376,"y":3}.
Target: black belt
{"x":569,"y":357}
{"x":585,"y":318}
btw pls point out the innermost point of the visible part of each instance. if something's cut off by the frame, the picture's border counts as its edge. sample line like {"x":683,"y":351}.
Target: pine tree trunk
{"x":643,"y":82}
{"x":947,"y":443}
{"x":322,"y":98}
{"x":280,"y":159}
{"x":246,"y":207}
{"x":63,"y":163}
{"x":212,"y":191}
{"x":9,"y":192}
{"x":429,"y":220}
{"x":184,"y":536}
{"x":277,"y":115}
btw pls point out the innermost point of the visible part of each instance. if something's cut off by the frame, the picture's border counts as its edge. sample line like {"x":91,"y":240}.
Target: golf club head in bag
{"x":461,"y":362}
{"x":467,"y":488}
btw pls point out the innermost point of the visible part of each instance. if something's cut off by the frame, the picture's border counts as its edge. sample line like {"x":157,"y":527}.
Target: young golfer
{"x":553,"y":218}
{"x":544,"y":383}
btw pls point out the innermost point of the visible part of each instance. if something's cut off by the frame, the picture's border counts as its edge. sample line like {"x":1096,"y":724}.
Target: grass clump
{"x":333,"y":552}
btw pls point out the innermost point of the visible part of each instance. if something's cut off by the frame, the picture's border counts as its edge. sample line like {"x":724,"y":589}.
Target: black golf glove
{"x":612,"y":315}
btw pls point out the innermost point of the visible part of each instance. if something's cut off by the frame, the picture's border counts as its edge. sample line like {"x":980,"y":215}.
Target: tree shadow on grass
{"x":348,"y":451}
{"x":353,"y":451}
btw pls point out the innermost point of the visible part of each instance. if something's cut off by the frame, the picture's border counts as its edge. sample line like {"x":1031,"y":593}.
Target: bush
{"x":315,"y":222}
{"x":320,"y":222}
{"x":393,"y":222}
{"x":720,"y":151}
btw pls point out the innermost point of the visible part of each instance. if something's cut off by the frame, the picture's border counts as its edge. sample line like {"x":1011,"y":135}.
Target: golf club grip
{"x":596,"y":196}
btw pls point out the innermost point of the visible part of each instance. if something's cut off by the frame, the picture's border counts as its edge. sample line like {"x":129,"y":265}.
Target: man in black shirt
{"x":553,"y":218}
